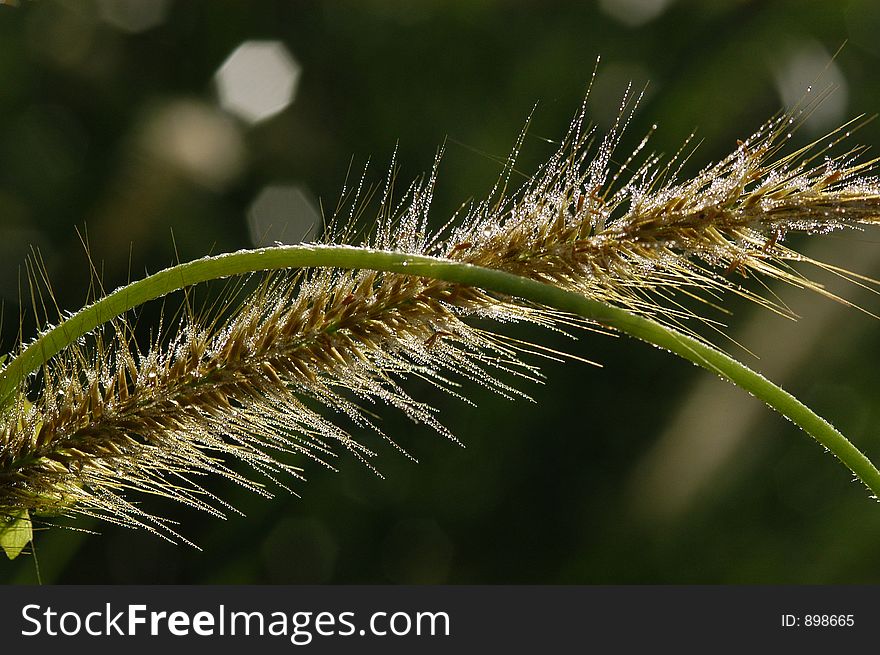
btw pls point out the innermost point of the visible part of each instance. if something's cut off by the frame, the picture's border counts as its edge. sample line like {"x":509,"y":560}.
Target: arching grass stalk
{"x":349,"y":257}
{"x":286,"y":371}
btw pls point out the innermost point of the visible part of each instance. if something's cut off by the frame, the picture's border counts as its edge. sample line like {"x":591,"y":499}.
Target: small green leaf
{"x":15,"y":533}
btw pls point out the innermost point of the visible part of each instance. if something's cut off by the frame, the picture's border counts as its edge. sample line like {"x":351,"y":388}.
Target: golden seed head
{"x":242,"y":383}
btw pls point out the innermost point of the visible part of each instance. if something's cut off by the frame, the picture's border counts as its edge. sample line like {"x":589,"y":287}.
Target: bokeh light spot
{"x":283,"y":214}
{"x":134,"y":15}
{"x":807,"y":73}
{"x":634,"y":13}
{"x":197,"y":139}
{"x":258,"y":80}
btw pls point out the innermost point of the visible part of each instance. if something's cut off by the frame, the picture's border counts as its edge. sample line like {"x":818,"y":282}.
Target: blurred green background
{"x":227,"y":124}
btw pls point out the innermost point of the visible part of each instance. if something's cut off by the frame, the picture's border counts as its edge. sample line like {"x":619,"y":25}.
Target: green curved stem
{"x":164,"y":282}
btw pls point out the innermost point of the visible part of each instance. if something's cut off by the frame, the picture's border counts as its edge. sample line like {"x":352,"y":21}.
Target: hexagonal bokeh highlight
{"x":283,"y":214}
{"x":258,"y":80}
{"x":806,"y":72}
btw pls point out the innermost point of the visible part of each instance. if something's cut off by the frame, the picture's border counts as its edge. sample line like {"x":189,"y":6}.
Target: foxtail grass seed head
{"x":289,"y":372}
